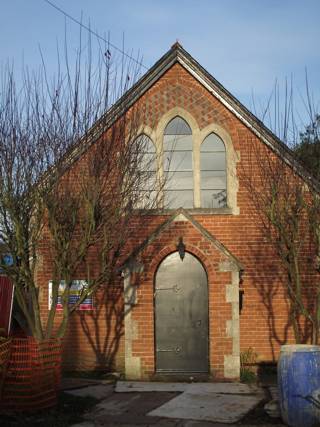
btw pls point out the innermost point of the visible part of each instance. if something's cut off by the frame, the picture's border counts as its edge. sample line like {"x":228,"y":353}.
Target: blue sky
{"x":245,"y":44}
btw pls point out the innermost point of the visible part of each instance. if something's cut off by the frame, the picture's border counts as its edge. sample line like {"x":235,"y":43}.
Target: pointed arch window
{"x":178,"y":164}
{"x":147,"y":163}
{"x":213,"y":177}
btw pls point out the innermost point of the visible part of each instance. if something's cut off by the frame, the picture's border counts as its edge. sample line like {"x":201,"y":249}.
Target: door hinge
{"x":168,"y":350}
{"x":174,"y":288}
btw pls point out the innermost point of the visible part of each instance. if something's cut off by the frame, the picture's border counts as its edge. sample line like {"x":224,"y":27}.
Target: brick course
{"x":264,"y":323}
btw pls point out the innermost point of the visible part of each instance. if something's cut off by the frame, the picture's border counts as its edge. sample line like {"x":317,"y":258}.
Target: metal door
{"x":181,"y":315}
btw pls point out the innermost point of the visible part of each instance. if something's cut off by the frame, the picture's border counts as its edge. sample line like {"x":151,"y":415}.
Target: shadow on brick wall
{"x":100,"y":331}
{"x":269,"y":279}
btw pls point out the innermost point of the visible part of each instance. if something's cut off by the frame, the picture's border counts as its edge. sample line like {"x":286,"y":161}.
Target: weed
{"x":248,"y":359}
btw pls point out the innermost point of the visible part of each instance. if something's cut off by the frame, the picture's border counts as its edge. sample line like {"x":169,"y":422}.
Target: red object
{"x":6,"y":300}
{"x":4,"y":359}
{"x":33,"y":375}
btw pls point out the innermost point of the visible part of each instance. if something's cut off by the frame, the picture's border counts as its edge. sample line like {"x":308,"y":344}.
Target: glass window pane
{"x":145,"y":144}
{"x":177,"y":126}
{"x":177,"y":147}
{"x":213,"y":172}
{"x":148,"y":181}
{"x":179,"y":180}
{"x":146,"y":200}
{"x":215,"y":180}
{"x":177,"y":142}
{"x":213,"y":198}
{"x":148,"y":146}
{"x":212,"y":143}
{"x":176,"y":199}
{"x":213,"y":161}
{"x":148,"y":162}
{"x":177,"y":160}
{"x":146,"y":155}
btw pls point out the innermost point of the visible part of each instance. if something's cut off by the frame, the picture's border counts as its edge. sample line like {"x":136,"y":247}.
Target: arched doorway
{"x":181,"y":315}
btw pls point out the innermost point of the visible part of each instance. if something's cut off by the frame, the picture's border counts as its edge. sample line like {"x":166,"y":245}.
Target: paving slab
{"x":100,"y":391}
{"x":173,"y":404}
{"x":191,"y":423}
{"x":141,"y":386}
{"x":124,"y":409}
{"x":272,"y":408}
{"x":274,"y":392}
{"x":208,"y":406}
{"x":225,"y":388}
{"x":84,"y":424}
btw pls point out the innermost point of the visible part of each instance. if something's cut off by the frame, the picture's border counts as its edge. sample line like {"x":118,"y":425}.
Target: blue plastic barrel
{"x":299,"y":385}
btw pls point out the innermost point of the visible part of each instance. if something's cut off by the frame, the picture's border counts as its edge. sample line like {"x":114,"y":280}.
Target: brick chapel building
{"x":210,"y":286}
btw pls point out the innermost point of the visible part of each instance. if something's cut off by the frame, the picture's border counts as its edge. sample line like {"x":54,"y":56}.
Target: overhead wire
{"x":67,"y":15}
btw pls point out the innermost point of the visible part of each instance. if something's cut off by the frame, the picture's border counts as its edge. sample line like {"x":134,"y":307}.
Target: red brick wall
{"x":264,"y":323}
{"x":264,"y":317}
{"x":94,"y":339}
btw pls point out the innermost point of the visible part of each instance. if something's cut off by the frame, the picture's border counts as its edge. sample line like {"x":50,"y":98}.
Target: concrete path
{"x":174,"y":405}
{"x":215,"y":402}
{"x":225,"y":388}
{"x":208,"y":406}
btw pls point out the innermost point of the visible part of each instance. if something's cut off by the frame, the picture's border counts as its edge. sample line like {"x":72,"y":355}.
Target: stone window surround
{"x":231,"y":363}
{"x":198,"y":136}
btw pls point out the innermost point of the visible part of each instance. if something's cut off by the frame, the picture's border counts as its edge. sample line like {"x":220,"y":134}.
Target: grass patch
{"x":69,"y":410}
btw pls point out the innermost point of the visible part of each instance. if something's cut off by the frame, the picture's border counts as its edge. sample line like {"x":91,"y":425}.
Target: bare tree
{"x":71,"y":178}
{"x":286,"y":200}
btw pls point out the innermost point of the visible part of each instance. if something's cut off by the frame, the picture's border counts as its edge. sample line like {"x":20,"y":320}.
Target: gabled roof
{"x":182,"y":215}
{"x":179,"y":55}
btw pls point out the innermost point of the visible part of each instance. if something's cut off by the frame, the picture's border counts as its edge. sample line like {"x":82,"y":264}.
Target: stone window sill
{"x":192,"y":211}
